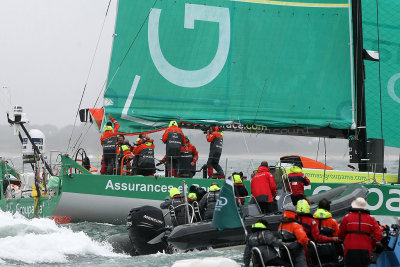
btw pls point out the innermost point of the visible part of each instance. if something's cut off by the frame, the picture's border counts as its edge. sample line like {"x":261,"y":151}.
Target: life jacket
{"x":297,"y":182}
{"x":216,"y":142}
{"x":185,"y":161}
{"x":173,"y":142}
{"x":212,"y":198}
{"x":290,"y":231}
{"x":109,"y":147}
{"x":326,"y":224}
{"x":146,"y":156}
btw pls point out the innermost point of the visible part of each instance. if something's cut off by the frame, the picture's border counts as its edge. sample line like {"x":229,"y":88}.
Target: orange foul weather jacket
{"x":110,"y":133}
{"x":290,"y":230}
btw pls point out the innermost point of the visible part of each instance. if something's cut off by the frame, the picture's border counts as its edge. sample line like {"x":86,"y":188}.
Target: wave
{"x":43,"y":241}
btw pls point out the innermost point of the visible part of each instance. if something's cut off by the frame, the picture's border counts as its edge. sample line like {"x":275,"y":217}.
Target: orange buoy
{"x":61,"y":219}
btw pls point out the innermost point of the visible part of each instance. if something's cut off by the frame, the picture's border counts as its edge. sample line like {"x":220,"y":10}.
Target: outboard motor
{"x":144,"y":224}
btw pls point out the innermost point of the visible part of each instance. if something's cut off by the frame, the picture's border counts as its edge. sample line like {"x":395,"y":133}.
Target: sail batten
{"x":275,"y":65}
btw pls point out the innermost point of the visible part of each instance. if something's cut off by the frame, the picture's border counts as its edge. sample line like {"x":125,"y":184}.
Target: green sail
{"x":269,"y":63}
{"x":384,"y":96}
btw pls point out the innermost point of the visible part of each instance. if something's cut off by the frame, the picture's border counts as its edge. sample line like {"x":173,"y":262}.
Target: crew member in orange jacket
{"x":360,"y":233}
{"x":216,"y":140}
{"x":108,"y":141}
{"x":173,"y":137}
{"x":327,"y":226}
{"x":293,"y":236}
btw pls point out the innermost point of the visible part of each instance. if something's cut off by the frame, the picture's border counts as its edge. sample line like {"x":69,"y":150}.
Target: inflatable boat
{"x":148,"y":232}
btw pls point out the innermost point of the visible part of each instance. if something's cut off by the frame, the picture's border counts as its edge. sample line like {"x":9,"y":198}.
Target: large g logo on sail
{"x":192,"y":78}
{"x":392,"y":81}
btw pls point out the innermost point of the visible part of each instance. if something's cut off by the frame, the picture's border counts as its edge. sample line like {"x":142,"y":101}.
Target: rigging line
{"x":379,"y":67}
{"x":325,"y":159}
{"x":319,"y":140}
{"x":84,"y":136}
{"x":259,"y":103}
{"x":131,"y":45}
{"x":80,"y":136}
{"x":247,"y":147}
{"x":90,"y":71}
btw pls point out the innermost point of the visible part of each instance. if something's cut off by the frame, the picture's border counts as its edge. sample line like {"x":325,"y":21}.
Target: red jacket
{"x":173,"y":129}
{"x":189,"y":147}
{"x":297,"y":182}
{"x":211,"y":137}
{"x":108,"y":134}
{"x":311,"y":228}
{"x":289,"y":229}
{"x":359,"y":231}
{"x":263,"y":183}
{"x":139,"y":148}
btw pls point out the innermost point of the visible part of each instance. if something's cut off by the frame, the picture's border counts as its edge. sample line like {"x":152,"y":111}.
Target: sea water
{"x":42,"y":242}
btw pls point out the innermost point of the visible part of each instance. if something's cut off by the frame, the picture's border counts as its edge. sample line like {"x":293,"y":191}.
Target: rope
{"x":90,"y":71}
{"x":379,"y":66}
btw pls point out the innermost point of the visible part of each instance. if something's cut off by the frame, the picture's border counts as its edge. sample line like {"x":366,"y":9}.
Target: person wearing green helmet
{"x":239,"y":189}
{"x":263,"y":238}
{"x":208,"y":202}
{"x":175,"y":199}
{"x":108,"y":141}
{"x":173,"y":137}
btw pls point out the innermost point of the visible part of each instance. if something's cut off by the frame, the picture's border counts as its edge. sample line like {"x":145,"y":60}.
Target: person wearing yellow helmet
{"x":188,"y":159}
{"x":239,"y":189}
{"x":173,"y":137}
{"x":263,"y":238}
{"x":108,"y":141}
{"x":309,"y":224}
{"x":208,"y":202}
{"x":175,"y":200}
{"x":144,"y":162}
{"x":297,"y":180}
{"x":215,"y":138}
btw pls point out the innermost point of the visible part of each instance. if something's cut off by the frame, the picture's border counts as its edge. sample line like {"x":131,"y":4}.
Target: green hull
{"x":108,"y":198}
{"x":25,"y":206}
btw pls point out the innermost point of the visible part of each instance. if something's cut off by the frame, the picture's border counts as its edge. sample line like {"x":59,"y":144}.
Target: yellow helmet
{"x":295,"y":169}
{"x":237,"y":179}
{"x":173,"y":123}
{"x":174,"y":191}
{"x":107,"y":128}
{"x":214,"y":188}
{"x":192,"y":196}
{"x":259,"y":225}
{"x":303,"y":206}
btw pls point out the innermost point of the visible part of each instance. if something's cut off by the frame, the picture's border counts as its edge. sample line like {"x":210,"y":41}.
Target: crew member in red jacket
{"x":143,"y":162}
{"x":263,"y":188}
{"x":173,"y":137}
{"x":216,"y":140}
{"x":108,"y":141}
{"x":188,"y":159}
{"x":360,"y":233}
{"x":297,"y":180}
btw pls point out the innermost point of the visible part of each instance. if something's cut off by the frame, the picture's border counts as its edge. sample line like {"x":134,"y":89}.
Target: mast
{"x":361,"y":130}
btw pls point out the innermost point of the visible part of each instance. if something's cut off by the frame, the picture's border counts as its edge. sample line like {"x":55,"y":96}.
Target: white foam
{"x":42,"y":240}
{"x":207,"y":262}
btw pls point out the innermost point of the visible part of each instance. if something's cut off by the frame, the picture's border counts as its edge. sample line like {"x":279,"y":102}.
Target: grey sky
{"x":46,"y":49}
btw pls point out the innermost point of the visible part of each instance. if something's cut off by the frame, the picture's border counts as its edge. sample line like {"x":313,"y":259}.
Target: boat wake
{"x":43,"y":241}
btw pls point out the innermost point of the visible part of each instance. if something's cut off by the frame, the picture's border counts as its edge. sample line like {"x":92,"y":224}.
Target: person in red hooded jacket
{"x":297,"y":180}
{"x":108,"y":141}
{"x":263,"y":188}
{"x":360,"y":233}
{"x":173,"y":137}
{"x":188,"y":159}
